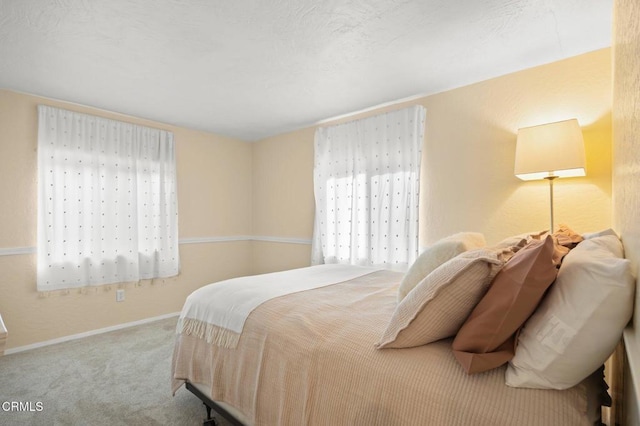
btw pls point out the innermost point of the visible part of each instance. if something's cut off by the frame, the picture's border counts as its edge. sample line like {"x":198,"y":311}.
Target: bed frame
{"x":212,"y":405}
{"x":622,"y":417}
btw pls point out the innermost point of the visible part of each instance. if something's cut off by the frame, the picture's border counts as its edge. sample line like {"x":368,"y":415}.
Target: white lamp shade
{"x":555,"y":149}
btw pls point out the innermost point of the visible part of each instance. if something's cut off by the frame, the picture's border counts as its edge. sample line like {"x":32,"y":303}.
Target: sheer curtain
{"x":107,"y":205}
{"x":366,"y":184}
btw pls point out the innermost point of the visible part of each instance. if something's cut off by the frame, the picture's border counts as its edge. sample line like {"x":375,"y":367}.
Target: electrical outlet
{"x":120,"y":295}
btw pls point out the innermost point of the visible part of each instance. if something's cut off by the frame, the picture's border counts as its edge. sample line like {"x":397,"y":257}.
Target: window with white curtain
{"x":107,"y":205}
{"x":366,"y":184}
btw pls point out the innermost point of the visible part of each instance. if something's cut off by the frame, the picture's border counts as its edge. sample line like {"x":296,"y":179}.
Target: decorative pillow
{"x":487,"y":338}
{"x":510,"y":242}
{"x":579,"y":323}
{"x":567,"y":237}
{"x":564,"y":239}
{"x":604,"y":232}
{"x":516,"y":242}
{"x":437,"y":254}
{"x":560,"y":249}
{"x":506,"y":248}
{"x":439,"y":304}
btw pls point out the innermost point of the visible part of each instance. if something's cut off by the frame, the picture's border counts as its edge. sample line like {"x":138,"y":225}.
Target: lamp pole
{"x":551,"y":178}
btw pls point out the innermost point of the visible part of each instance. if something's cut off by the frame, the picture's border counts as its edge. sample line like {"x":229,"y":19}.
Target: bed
{"x":311,"y":357}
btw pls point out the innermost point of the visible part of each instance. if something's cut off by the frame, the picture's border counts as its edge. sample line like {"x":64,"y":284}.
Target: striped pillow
{"x":437,"y":254}
{"x":438,"y":306}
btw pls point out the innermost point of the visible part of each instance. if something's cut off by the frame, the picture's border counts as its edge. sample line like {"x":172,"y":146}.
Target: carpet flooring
{"x":116,"y":378}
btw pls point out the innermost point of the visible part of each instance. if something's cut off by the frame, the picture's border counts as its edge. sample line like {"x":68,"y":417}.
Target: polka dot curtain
{"x":107,"y":205}
{"x":366,"y":183}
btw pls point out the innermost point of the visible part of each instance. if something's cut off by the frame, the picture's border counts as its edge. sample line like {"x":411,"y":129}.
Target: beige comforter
{"x":308,"y":358}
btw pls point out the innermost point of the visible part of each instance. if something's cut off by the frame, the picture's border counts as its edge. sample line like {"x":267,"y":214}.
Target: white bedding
{"x":217,"y":312}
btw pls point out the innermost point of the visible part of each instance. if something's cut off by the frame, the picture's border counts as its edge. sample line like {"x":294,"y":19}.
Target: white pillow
{"x":591,"y":235}
{"x":579,"y":323}
{"x":437,"y":254}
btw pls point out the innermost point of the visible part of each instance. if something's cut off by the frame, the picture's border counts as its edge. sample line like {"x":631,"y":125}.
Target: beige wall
{"x":626,"y":173}
{"x":283,"y":200}
{"x":230,"y":188}
{"x":214,"y":200}
{"x":467,"y":179}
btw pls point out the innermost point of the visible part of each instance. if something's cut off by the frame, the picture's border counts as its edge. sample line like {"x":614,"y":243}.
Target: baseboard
{"x":88,"y":333}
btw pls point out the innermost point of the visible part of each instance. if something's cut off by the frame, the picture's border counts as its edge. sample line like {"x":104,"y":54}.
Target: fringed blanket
{"x":217,"y":312}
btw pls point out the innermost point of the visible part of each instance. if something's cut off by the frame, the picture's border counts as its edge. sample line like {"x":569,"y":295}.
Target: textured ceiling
{"x":255,"y":68}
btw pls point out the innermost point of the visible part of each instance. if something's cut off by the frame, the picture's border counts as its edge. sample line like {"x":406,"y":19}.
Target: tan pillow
{"x":517,"y":241}
{"x":560,"y":250}
{"x":486,"y":340}
{"x":439,"y":304}
{"x":567,"y":237}
{"x":510,"y":245}
{"x":437,"y":254}
{"x":506,"y":248}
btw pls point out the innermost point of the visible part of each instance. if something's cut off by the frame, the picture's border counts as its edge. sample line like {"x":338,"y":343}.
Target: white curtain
{"x":366,"y":183}
{"x":107,"y":205}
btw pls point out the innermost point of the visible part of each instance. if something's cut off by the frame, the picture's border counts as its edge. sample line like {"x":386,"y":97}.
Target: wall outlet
{"x":120,"y":295}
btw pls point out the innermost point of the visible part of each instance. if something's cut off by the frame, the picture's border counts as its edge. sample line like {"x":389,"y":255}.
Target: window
{"x":107,"y":205}
{"x":366,"y":184}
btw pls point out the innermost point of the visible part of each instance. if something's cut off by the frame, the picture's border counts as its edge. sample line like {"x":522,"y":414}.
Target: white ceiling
{"x":255,"y":68}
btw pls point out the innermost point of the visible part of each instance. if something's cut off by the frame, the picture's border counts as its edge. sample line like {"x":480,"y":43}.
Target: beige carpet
{"x":116,"y":378}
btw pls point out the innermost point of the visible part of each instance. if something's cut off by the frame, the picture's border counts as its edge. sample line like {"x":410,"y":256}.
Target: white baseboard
{"x":87,"y":333}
